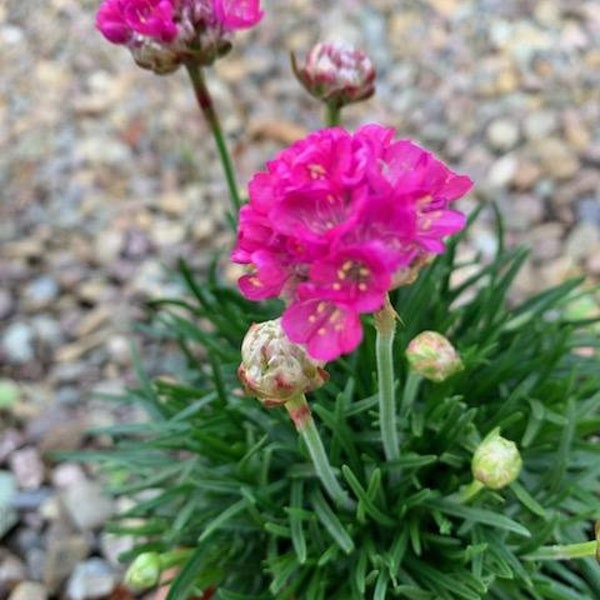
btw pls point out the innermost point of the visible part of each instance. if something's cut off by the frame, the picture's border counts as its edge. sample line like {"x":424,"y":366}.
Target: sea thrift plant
{"x":162,"y":34}
{"x":377,"y":485}
{"x":334,"y":221}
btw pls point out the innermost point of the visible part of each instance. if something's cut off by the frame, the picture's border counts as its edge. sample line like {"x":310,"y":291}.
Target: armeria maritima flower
{"x":336,"y":73}
{"x":335,"y":222}
{"x":162,"y":34}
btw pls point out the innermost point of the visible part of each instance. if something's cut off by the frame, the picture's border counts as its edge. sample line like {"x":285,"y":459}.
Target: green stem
{"x":333,"y":114}
{"x":385,"y":323}
{"x":467,"y":492}
{"x":208,"y":110}
{"x":174,"y":558}
{"x":583,"y":550}
{"x":300,"y":413}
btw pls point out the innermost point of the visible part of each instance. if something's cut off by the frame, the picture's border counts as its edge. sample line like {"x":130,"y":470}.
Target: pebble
{"x":87,"y":505}
{"x":12,"y":569}
{"x":27,"y":467}
{"x":581,"y":240}
{"x":7,"y":304}
{"x":17,"y":342}
{"x":29,"y":590}
{"x":502,"y":134}
{"x":540,"y":124}
{"x":41,"y":292}
{"x":503,"y":171}
{"x":93,"y":578}
{"x":557,"y":158}
{"x":64,"y":551}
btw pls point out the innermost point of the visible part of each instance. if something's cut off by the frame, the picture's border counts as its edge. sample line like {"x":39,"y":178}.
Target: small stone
{"x":29,"y":590}
{"x":67,"y":474}
{"x":557,"y":158}
{"x":108,"y":246}
{"x":7,"y":304}
{"x":18,"y":343}
{"x":592,"y":263}
{"x":40,"y":293}
{"x":576,"y":133}
{"x":119,"y":350}
{"x":502,"y":171}
{"x":582,"y":238}
{"x":86,"y":505}
{"x":94,"y":578}
{"x":12,"y":570}
{"x":27,"y":467}
{"x":203,"y":229}
{"x":168,"y":233}
{"x":173,"y":204}
{"x":502,"y":134}
{"x":546,"y":241}
{"x":10,"y":440}
{"x":64,"y":551}
{"x":540,"y":124}
{"x":113,"y":546}
{"x":527,"y":175}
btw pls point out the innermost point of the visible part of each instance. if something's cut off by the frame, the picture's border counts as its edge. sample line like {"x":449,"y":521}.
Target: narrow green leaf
{"x":331,"y":522}
{"x":225,"y":516}
{"x":183,"y":584}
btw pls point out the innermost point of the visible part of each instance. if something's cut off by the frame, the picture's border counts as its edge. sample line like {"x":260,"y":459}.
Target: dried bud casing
{"x":144,"y":572}
{"x":273,"y":368}
{"x":496,"y":462}
{"x":336,"y":73}
{"x":432,"y":356}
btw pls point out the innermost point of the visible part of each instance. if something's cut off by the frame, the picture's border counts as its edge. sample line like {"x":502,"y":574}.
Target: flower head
{"x":335,"y":222}
{"x":496,"y":462}
{"x":274,"y":369}
{"x":162,"y":34}
{"x":432,"y":356}
{"x":336,"y":73}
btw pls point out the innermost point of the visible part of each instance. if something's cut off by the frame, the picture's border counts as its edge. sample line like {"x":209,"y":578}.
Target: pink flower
{"x":120,"y":20}
{"x":237,"y":14}
{"x":335,"y":222}
{"x":336,"y":73}
{"x":162,"y":34}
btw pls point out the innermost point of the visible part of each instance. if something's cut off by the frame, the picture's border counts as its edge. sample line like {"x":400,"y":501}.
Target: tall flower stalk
{"x":300,"y":413}
{"x":385,"y":323}
{"x":207,"y":107}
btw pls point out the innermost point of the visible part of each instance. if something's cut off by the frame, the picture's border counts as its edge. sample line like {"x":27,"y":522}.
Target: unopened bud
{"x":273,"y":368}
{"x":432,"y":356}
{"x":144,"y":572}
{"x":336,"y":73}
{"x":496,"y":462}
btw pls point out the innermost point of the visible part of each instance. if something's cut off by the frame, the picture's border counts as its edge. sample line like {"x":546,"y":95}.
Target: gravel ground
{"x":106,"y":177}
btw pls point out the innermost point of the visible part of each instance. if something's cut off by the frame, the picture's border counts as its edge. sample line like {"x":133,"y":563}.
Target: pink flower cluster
{"x":183,"y":25}
{"x":335,"y":222}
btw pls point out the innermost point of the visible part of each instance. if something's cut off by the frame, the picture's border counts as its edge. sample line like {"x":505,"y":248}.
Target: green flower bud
{"x":432,"y":356}
{"x":496,"y":462}
{"x":144,"y":572}
{"x":274,"y":369}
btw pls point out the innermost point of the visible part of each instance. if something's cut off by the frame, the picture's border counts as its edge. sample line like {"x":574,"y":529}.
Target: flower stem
{"x":333,"y":114}
{"x":208,"y":110}
{"x":385,"y":323}
{"x":467,"y":492}
{"x":583,"y":550}
{"x":299,"y":411}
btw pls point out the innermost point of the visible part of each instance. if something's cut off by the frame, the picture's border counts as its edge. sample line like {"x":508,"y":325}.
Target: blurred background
{"x":107,"y":177}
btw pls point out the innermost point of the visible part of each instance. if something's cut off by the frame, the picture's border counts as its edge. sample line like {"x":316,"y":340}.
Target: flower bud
{"x":432,"y":356}
{"x":336,"y":73}
{"x":144,"y":572}
{"x":273,"y":368}
{"x":496,"y":462}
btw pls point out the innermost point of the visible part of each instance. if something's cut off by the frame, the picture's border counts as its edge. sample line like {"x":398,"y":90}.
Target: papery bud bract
{"x":336,"y":73}
{"x":496,"y":462}
{"x":144,"y":572}
{"x":432,"y":356}
{"x":273,"y":368}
